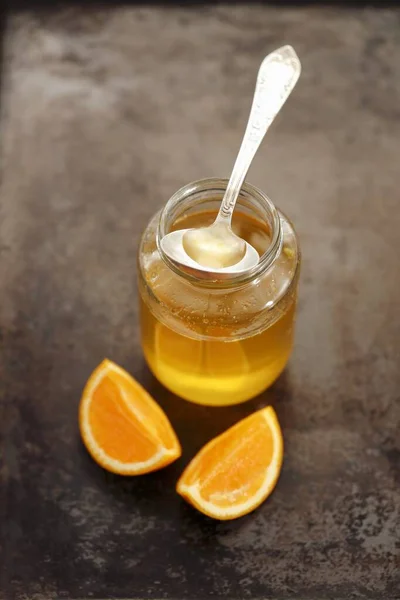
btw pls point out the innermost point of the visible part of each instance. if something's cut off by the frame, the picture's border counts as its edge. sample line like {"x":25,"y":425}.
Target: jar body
{"x":215,"y":344}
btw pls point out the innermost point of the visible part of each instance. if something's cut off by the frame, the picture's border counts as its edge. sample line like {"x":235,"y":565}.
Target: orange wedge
{"x":122,"y":427}
{"x":235,"y":472}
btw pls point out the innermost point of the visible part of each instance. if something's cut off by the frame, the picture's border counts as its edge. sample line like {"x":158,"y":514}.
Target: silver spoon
{"x":215,"y":251}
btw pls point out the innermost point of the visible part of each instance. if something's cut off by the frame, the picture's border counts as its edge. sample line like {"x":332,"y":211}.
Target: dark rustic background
{"x":106,"y":111}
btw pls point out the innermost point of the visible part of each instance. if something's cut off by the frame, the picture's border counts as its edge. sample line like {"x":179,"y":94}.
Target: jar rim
{"x":219,"y":185}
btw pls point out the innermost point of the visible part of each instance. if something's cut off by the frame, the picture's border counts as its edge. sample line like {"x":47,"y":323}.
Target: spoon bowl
{"x":172,"y":246}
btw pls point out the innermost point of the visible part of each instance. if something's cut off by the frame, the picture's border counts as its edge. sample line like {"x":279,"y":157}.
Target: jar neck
{"x":205,"y":194}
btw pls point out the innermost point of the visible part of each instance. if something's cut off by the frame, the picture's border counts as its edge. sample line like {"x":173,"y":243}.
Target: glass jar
{"x":218,"y":342}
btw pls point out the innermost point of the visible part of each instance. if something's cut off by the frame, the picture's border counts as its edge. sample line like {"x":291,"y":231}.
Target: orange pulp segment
{"x":122,"y":427}
{"x":235,"y":472}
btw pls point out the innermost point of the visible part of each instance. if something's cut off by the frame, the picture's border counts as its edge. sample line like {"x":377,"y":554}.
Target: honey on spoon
{"x":215,"y":251}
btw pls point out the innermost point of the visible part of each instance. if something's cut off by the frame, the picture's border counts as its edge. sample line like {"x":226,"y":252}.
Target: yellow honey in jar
{"x":212,"y":342}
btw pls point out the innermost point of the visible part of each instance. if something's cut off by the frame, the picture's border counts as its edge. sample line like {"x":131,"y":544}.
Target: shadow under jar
{"x":219,"y":342}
